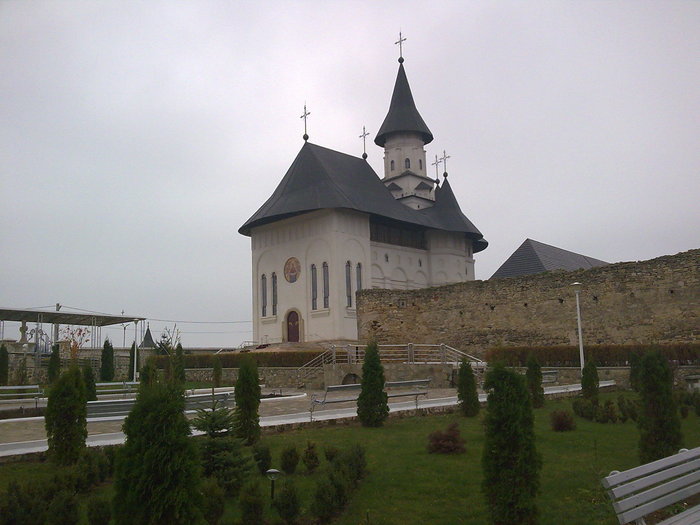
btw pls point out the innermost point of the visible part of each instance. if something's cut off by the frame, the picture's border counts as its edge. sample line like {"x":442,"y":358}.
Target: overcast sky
{"x":137,"y":137}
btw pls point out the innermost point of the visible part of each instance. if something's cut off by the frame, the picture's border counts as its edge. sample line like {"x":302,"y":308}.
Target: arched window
{"x":274,"y":293}
{"x":407,"y":164}
{"x":420,"y":163}
{"x":358,"y":274}
{"x":314,"y":288}
{"x":263,"y":293}
{"x":392,"y":165}
{"x":326,"y":285}
{"x":348,"y":283}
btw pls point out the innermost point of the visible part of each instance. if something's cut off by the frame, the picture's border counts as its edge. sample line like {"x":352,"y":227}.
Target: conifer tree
{"x":510,"y":462}
{"x":130,"y":372}
{"x":89,"y":381}
{"x":179,"y":364}
{"x":107,"y":362}
{"x":466,"y":390}
{"x":54,"y":364}
{"x":534,"y":382}
{"x":589,"y":382}
{"x":65,"y":418}
{"x":658,"y":422}
{"x":372,"y":405}
{"x":216,"y":372}
{"x":247,"y":396}
{"x":157,"y":472}
{"x":4,"y":366}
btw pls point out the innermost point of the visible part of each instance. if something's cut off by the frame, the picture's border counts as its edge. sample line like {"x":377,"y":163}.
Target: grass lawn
{"x":407,"y":485}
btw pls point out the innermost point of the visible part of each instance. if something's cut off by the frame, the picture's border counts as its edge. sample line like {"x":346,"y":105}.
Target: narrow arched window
{"x":392,"y":165}
{"x":274,"y":293}
{"x":420,"y":163}
{"x":263,"y":294}
{"x":348,"y":283}
{"x":314,"y":288}
{"x":407,"y":164}
{"x":326,"y":285}
{"x":358,"y":275}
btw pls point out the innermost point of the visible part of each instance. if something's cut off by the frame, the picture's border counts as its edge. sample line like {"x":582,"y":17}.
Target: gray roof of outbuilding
{"x":321,"y":178}
{"x":403,"y":114}
{"x":536,"y":257}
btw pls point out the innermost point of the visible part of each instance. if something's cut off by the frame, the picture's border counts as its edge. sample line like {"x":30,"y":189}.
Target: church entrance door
{"x":293,"y":327}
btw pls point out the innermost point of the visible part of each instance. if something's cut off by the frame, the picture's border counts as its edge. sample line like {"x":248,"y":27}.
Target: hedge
{"x":602,"y":355}
{"x":262,"y":359}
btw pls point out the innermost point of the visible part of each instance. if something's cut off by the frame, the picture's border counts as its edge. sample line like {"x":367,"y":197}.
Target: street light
{"x":577,"y":289}
{"x":272,"y":474}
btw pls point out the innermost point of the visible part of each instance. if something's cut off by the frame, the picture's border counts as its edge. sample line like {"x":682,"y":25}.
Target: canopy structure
{"x":82,"y":319}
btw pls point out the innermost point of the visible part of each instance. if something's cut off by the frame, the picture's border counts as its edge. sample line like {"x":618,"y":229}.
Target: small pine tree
{"x":4,"y":365}
{"x":510,"y":462}
{"x":63,"y":509}
{"x":130,"y":372}
{"x":99,"y":511}
{"x":54,"y":364}
{"x":372,"y":405}
{"x":289,"y":459}
{"x":179,"y":364}
{"x":213,"y":501}
{"x":252,"y":503}
{"x":65,"y":418}
{"x":225,"y":459}
{"x":216,"y":372}
{"x":262,"y":457}
{"x":310,"y":457}
{"x":247,"y":396}
{"x":659,"y":425}
{"x":89,"y":380}
{"x":107,"y":362}
{"x":466,"y":390}
{"x":156,"y":477}
{"x":534,"y":382}
{"x":287,"y":503}
{"x":217,"y":422}
{"x":589,"y":381}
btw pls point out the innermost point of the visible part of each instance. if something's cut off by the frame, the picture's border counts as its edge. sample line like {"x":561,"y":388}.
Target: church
{"x":333,"y":227}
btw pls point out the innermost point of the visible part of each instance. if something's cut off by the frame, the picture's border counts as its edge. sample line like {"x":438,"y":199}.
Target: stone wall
{"x":634,"y":302}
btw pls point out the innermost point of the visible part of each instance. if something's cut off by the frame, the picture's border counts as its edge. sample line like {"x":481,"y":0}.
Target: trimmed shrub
{"x":65,"y":419}
{"x":310,"y":457}
{"x":225,"y":459}
{"x":25,"y":504}
{"x":330,"y":452}
{"x":54,"y":369}
{"x":213,"y":501}
{"x":466,"y":390}
{"x":584,"y":408}
{"x":130,"y":372}
{"x":4,"y":365}
{"x":534,"y":382}
{"x":287,"y":503}
{"x":589,"y":381}
{"x":562,"y":421}
{"x":658,"y":421}
{"x":448,"y":442}
{"x":107,"y":362}
{"x":178,"y":362}
{"x":289,"y":459}
{"x":262,"y":457}
{"x":89,"y":381}
{"x":216,"y":372}
{"x":622,"y":410}
{"x":372,"y":403}
{"x":251,"y":501}
{"x":354,"y":462}
{"x":99,"y":511}
{"x":323,"y":505}
{"x":63,"y":509}
{"x":510,"y":462}
{"x":607,"y":413}
{"x":247,"y":395}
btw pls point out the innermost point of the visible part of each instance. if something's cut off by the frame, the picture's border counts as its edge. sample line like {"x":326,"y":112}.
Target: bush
{"x":289,"y":459}
{"x":534,"y":382}
{"x":130,"y":372}
{"x":623,"y":411}
{"x":354,"y":462}
{"x":562,"y":421}
{"x":251,"y":501}
{"x":466,"y":390}
{"x":658,"y":421}
{"x":99,"y":511}
{"x":107,"y":362}
{"x":178,"y":362}
{"x":510,"y":462}
{"x":330,"y":452}
{"x":216,"y":372}
{"x":54,"y":369}
{"x":213,"y":501}
{"x":247,"y":395}
{"x":372,"y":405}
{"x":585,"y":408}
{"x":226,"y":460}
{"x":323,"y":505}
{"x":607,"y":413}
{"x":287,"y":503}
{"x":447,"y":442}
{"x":262,"y":457}
{"x":65,"y":419}
{"x":63,"y":509}
{"x":684,"y":411}
{"x":24,"y":504}
{"x":217,"y":422}
{"x":310,"y":457}
{"x":589,"y":381}
{"x":4,"y":365}
{"x":89,"y":380}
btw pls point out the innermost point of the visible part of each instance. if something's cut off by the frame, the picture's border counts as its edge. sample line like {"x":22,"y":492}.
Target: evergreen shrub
{"x":216,"y":371}
{"x":534,"y":382}
{"x":63,"y":509}
{"x":262,"y":457}
{"x":372,"y":403}
{"x":225,"y":459}
{"x":287,"y":503}
{"x":289,"y":459}
{"x":251,"y":502}
{"x":310,"y":457}
{"x":466,"y":390}
{"x":590,"y":382}
{"x":99,"y":510}
{"x":65,"y":420}
{"x":213,"y":501}
{"x":54,"y":369}
{"x":107,"y":362}
{"x":4,"y":365}
{"x":291,"y":359}
{"x":247,"y":396}
{"x":89,"y":381}
{"x":330,"y":452}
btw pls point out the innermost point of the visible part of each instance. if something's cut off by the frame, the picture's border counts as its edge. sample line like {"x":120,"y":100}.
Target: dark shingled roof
{"x":148,"y":341}
{"x":536,"y":257}
{"x":402,"y":115}
{"x":321,"y":178}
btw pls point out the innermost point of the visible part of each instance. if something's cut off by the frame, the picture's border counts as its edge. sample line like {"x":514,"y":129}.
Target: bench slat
{"x":688,"y":517}
{"x":621,"y":491}
{"x":338,"y":388}
{"x":660,"y":503}
{"x":650,"y":468}
{"x":655,"y":493}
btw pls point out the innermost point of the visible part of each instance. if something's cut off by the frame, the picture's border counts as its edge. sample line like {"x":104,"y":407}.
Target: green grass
{"x":407,"y":485}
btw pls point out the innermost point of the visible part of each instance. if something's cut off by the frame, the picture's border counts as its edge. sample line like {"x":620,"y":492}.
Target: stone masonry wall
{"x":633,"y":302}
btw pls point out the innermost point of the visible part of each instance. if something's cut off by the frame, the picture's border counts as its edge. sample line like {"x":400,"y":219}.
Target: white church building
{"x":333,"y":227}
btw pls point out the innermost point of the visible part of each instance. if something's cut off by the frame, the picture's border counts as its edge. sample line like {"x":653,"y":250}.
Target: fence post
{"x":443,"y":353}
{"x":411,"y":355}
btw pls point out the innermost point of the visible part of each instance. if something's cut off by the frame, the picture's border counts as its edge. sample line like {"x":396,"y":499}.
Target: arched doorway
{"x":293,"y":327}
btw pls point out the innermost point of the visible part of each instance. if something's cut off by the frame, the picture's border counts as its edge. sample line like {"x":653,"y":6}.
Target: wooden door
{"x":293,"y":327}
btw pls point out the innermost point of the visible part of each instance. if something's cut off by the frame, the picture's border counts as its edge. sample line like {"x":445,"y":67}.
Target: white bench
{"x":20,"y":392}
{"x":416,"y":387}
{"x":639,"y":491}
{"x":122,"y":387}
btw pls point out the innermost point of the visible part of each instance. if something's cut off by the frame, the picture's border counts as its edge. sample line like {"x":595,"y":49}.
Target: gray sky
{"x":137,"y":137}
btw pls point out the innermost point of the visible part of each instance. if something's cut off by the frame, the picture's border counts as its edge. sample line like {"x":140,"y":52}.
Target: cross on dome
{"x":400,"y":42}
{"x":304,"y":116}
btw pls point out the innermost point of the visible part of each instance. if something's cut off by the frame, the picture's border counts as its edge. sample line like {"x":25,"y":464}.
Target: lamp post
{"x":272,"y":474}
{"x":577,"y":289}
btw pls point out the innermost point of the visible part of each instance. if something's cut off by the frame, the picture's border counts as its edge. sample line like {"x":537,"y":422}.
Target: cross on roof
{"x":400,"y":42}
{"x":364,"y":142}
{"x":444,"y":158}
{"x":304,"y":115}
{"x":437,"y":167}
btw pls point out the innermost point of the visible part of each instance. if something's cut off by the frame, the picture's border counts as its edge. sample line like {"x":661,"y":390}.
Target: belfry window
{"x":358,"y":274}
{"x":326,"y":285}
{"x":314,"y":288}
{"x":407,"y":164}
{"x":274,"y":293}
{"x":263,"y":293}
{"x":392,"y":165}
{"x":420,"y":163}
{"x":348,"y":283}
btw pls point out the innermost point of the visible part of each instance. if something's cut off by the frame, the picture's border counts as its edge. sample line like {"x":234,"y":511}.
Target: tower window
{"x":314,"y":288}
{"x":263,"y":292}
{"x":392,"y":165}
{"x":274,"y":293}
{"x":420,"y":163}
{"x":348,"y":283}
{"x":358,"y":271}
{"x":407,"y":164}
{"x":326,"y":285}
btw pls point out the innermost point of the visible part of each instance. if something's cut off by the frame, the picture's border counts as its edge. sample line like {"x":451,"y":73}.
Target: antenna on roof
{"x":444,"y":158}
{"x":400,"y":42}
{"x":437,"y":173}
{"x":364,"y":142}
{"x":304,"y":116}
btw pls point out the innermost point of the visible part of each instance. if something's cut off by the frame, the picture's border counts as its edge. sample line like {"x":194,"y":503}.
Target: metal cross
{"x":437,"y":167}
{"x":305,"y":114}
{"x":364,"y":140}
{"x":400,"y":42}
{"x":444,"y":158}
